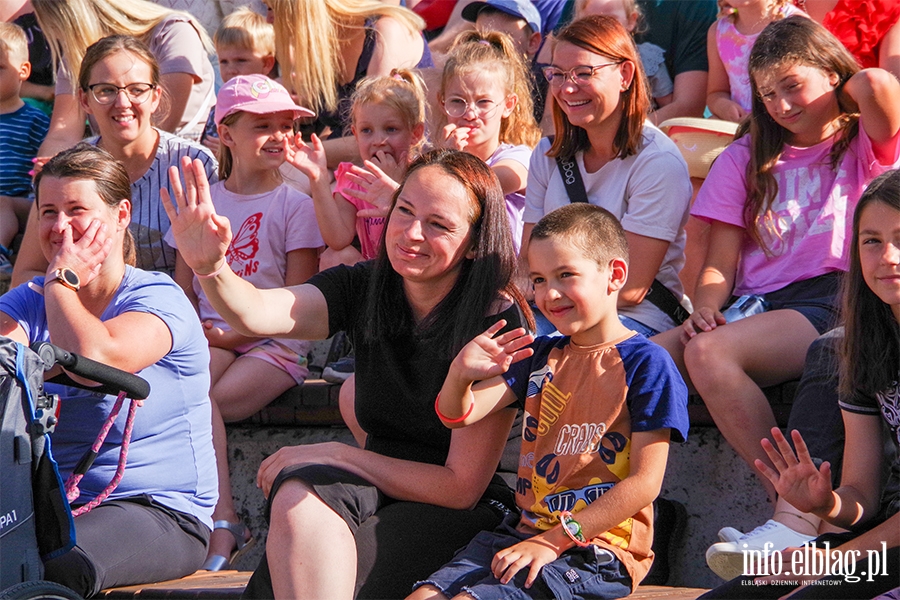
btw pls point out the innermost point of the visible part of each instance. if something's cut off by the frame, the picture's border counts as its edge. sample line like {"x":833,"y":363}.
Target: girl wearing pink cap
{"x":276,"y":243}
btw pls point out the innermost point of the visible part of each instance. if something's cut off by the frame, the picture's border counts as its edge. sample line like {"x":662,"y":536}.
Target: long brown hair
{"x":870,"y":351}
{"x":791,"y":41}
{"x":86,"y":161}
{"x":483,"y":279}
{"x":604,"y":35}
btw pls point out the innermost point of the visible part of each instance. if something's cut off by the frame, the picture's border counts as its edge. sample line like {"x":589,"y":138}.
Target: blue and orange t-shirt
{"x":581,"y":406}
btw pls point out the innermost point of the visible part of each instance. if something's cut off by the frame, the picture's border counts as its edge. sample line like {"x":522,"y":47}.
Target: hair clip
{"x":485,"y":42}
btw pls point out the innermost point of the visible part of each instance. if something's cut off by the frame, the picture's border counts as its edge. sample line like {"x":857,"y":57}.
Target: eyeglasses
{"x":106,"y":93}
{"x":456,"y":107}
{"x":580,"y":75}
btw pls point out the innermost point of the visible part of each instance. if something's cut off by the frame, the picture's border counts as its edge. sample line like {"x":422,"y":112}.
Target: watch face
{"x":70,"y":277}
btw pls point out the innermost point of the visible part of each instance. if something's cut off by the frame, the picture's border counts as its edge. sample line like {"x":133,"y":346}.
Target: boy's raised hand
{"x":487,"y":356}
{"x":797,"y":479}
{"x":203,"y":236}
{"x":309,"y":159}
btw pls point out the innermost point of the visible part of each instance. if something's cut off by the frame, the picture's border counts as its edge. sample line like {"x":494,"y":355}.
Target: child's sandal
{"x":243,"y":542}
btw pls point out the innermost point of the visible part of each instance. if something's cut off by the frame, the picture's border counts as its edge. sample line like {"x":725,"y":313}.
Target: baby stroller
{"x":35,"y":518}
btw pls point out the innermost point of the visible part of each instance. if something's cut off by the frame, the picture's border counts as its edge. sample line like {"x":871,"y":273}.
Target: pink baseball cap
{"x":255,"y":94}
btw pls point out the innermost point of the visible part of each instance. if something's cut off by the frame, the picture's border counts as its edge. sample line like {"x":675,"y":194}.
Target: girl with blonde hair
{"x":487,"y":111}
{"x":179,"y":42}
{"x":327,"y":46}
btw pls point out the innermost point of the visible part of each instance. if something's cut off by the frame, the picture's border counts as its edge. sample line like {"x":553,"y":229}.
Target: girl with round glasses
{"x":613,"y":158}
{"x":487,"y":111}
{"x":119,"y":86}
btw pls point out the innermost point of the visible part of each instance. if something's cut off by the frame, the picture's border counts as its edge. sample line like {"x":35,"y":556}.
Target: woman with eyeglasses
{"x":605,"y":152}
{"x":176,"y":38}
{"x":119,"y":86}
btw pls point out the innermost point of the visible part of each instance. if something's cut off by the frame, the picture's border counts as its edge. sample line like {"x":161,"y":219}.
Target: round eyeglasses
{"x":106,"y":93}
{"x":580,"y":75}
{"x":456,"y":107}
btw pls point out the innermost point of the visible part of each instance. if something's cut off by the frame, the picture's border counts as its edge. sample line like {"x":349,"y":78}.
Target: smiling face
{"x":123,"y":121}
{"x":379,"y":126}
{"x":66,"y":203}
{"x":257,"y":141}
{"x":879,"y":252}
{"x":573,"y":291}
{"x":802,"y":99}
{"x":487,"y":102}
{"x":598,"y":102}
{"x":428,"y":233}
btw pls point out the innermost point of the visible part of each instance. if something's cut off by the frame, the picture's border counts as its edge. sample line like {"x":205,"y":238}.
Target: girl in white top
{"x":276,"y":243}
{"x":600,"y":103}
{"x":487,"y":111}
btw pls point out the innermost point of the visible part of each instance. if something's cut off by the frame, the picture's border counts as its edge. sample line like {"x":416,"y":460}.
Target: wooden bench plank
{"x":201,"y":585}
{"x":226,"y":585}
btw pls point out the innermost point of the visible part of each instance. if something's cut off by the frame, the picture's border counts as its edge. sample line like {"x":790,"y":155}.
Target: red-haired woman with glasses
{"x":605,"y":152}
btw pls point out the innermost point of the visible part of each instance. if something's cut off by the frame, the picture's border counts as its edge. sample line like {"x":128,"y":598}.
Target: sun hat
{"x":255,"y":94}
{"x":700,"y":141}
{"x":523,"y":9}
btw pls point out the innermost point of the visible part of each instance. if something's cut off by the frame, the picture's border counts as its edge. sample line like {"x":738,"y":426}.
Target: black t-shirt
{"x":397,"y":379}
{"x":38,"y":50}
{"x":679,"y":27}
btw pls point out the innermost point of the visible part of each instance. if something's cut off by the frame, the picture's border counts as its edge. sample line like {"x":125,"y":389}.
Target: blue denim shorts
{"x":580,"y":573}
{"x":816,"y":298}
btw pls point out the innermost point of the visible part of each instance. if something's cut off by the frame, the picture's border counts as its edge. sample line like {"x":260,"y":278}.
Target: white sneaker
{"x":726,"y":559}
{"x":730,"y":534}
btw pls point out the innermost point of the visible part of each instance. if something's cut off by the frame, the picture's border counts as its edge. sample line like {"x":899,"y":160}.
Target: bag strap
{"x":658,"y":295}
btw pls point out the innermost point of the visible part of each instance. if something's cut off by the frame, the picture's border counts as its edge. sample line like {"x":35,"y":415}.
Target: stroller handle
{"x":111,"y":379}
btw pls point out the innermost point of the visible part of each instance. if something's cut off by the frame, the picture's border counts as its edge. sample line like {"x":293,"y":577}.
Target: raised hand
{"x":309,"y":159}
{"x":487,"y":356}
{"x":395,"y":168}
{"x":378,"y":188}
{"x":702,"y":319}
{"x":796,"y":478}
{"x":85,"y":256}
{"x":202,"y":235}
{"x":453,"y":137}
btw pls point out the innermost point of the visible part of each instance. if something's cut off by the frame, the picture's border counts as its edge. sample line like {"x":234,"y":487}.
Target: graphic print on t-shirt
{"x":244,"y":247}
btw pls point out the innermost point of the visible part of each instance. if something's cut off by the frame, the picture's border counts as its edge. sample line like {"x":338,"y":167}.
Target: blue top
{"x":171,"y":455}
{"x":21,"y":135}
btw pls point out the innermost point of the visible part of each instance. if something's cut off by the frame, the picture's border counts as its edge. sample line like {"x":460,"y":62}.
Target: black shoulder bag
{"x":658,"y":295}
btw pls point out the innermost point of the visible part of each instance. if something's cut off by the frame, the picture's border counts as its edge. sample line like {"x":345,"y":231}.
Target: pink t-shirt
{"x":368,"y":229}
{"x":734,"y":50}
{"x":265,"y":227}
{"x":813,"y":211}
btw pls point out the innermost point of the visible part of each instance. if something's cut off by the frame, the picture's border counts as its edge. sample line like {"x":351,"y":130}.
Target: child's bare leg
{"x":248,"y":386}
{"x":805,"y":523}
{"x":310,"y":549}
{"x":427,"y":592}
{"x":347,"y":405}
{"x":247,"y":381}
{"x":13,"y":216}
{"x":729,"y":364}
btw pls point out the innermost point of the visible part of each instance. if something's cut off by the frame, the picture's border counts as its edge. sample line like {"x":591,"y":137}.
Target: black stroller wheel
{"x":39,"y":590}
